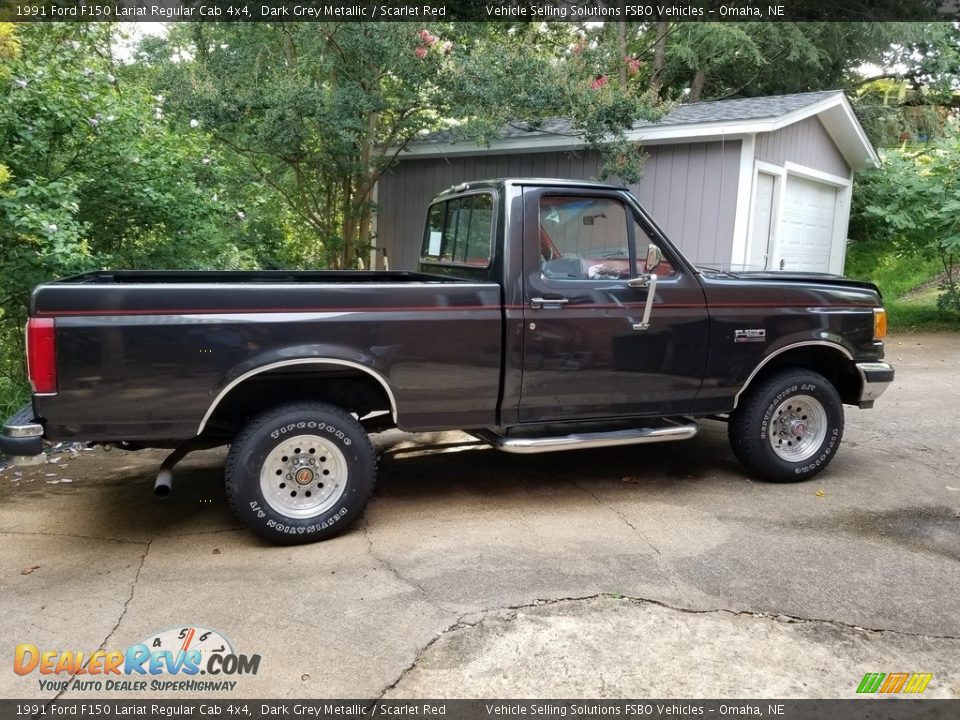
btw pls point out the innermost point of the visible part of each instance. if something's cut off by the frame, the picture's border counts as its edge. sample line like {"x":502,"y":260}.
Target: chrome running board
{"x":585,"y":441}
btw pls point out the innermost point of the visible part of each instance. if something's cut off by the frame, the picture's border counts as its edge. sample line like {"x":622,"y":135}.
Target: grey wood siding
{"x":689,"y":189}
{"x":806,"y":143}
{"x":691,"y":192}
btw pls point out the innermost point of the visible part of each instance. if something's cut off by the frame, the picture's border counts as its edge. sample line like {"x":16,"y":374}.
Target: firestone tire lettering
{"x":255,"y":442}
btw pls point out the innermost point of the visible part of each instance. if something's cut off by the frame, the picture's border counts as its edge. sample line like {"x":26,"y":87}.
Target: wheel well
{"x":353,"y":390}
{"x":832,"y":364}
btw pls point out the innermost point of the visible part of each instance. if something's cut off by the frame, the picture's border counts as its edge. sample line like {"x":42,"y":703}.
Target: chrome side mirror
{"x":654,"y":257}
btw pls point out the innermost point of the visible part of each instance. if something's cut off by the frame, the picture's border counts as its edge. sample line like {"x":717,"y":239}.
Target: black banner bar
{"x":476,"y":10}
{"x":873,"y":708}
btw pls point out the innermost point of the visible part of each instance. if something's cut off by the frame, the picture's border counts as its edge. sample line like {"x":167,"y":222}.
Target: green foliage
{"x":928,"y":56}
{"x":317,"y":111}
{"x":13,"y":390}
{"x":305,"y":111}
{"x":907,"y":316}
{"x":910,"y":99}
{"x":92,"y":175}
{"x":911,"y":206}
{"x":531,"y":74}
{"x":705,"y":61}
{"x":899,"y":277}
{"x":894,"y":273}
{"x":732,"y":59}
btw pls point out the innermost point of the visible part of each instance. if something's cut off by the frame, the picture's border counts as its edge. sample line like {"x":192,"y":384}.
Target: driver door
{"x":586,"y":352}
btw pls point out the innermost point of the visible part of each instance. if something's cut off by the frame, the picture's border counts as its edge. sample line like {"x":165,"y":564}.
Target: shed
{"x":748,"y":184}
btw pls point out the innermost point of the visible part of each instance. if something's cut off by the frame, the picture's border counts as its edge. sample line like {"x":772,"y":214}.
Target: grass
{"x":13,"y":396}
{"x":898,"y":277}
{"x":910,"y":316}
{"x":14,"y":389}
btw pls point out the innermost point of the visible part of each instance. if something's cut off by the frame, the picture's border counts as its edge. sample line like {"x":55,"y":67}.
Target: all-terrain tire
{"x":300,"y":472}
{"x":788,"y":428}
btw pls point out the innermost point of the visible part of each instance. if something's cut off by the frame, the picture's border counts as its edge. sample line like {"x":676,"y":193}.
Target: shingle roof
{"x":710,"y":111}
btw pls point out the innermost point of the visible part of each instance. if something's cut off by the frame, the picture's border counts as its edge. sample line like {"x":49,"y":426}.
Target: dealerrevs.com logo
{"x":169,"y":660}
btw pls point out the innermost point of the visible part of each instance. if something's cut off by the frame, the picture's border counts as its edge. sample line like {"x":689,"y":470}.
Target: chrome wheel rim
{"x":797,"y":428}
{"x":303,"y":476}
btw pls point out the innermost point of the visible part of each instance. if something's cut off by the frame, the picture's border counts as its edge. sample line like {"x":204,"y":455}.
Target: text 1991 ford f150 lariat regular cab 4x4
{"x":548,"y":315}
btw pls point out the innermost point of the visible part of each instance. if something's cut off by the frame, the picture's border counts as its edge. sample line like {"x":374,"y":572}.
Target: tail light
{"x":42,"y":355}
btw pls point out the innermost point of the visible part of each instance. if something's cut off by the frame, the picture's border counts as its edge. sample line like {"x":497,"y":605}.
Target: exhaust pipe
{"x":164,"y":484}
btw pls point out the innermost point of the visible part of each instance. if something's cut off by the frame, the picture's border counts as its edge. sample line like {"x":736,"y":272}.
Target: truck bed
{"x":146,"y":355}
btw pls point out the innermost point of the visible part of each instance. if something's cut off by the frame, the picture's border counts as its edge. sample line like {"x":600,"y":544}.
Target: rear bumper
{"x":875,"y":378}
{"x":21,"y":438}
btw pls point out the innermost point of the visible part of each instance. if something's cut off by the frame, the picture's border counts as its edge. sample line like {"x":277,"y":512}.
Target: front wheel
{"x":789,"y":427}
{"x":300,"y":473}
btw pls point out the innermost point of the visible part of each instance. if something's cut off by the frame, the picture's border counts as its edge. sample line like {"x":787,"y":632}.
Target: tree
{"x":707,"y":61}
{"x":311,"y":108}
{"x":915,"y":88}
{"x":92,"y":176}
{"x":913,"y":203}
{"x":320,"y":110}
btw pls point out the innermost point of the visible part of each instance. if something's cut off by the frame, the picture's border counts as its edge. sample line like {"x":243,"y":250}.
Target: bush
{"x":908,"y":211}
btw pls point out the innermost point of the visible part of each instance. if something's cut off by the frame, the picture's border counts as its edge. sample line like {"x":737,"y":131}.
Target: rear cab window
{"x":459,"y":232}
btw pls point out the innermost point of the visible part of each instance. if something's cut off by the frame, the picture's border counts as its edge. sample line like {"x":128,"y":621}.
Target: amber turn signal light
{"x":879,"y":323}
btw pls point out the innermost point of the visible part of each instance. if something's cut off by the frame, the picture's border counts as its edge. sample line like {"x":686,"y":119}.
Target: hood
{"x":811,"y":278}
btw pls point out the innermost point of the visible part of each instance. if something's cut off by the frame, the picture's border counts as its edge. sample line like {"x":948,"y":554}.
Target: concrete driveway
{"x":659,"y":570}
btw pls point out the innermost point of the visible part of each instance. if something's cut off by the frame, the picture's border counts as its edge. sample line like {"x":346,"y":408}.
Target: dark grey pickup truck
{"x":547,"y":315}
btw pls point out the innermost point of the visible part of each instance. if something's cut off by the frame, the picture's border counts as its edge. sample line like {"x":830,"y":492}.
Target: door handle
{"x":539,"y":302}
{"x":649,"y":282}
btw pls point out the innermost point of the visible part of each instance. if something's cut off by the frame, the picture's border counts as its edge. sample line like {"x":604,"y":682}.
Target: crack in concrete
{"x":237,"y":529}
{"x":510,"y":613}
{"x":75,"y":536}
{"x":664,"y":567}
{"x":757,"y":614}
{"x":123,"y":540}
{"x":123,"y":613}
{"x":460,"y":624}
{"x":365,"y":529}
{"x":133,"y":590}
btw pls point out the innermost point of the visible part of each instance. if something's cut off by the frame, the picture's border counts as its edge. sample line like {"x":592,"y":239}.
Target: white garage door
{"x":806,"y":237}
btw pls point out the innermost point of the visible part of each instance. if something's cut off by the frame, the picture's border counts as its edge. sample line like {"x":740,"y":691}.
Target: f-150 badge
{"x":742,"y":336}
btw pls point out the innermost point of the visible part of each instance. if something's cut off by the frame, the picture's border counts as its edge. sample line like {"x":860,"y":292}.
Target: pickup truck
{"x":547,"y":315}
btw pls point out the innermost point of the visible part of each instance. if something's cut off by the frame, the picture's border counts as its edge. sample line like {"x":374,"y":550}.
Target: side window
{"x":459,"y":231}
{"x":583,"y":238}
{"x":644,"y":241}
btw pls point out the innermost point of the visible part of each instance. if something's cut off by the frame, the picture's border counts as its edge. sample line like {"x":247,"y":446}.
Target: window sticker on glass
{"x":435,"y":237}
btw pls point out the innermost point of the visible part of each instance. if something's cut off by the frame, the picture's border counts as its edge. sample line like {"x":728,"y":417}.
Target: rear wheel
{"x":789,"y":427}
{"x":300,"y":473}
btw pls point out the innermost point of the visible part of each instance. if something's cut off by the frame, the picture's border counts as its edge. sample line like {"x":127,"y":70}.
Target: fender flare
{"x":777,"y":353}
{"x":225,"y":390}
